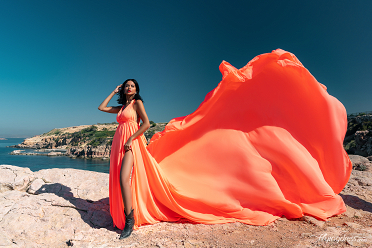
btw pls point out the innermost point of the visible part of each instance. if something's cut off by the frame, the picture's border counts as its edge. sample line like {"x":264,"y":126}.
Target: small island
{"x":3,"y":139}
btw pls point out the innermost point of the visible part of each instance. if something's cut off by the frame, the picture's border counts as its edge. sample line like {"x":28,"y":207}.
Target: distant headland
{"x":86,"y":141}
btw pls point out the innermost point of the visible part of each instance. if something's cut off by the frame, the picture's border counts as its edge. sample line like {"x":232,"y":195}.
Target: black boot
{"x":129,"y":223}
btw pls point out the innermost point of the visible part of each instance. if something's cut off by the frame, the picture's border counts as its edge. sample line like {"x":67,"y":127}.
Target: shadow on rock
{"x":94,"y":213}
{"x":357,"y":203}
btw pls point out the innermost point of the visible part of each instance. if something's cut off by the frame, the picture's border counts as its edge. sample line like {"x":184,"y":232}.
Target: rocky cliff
{"x":68,"y":207}
{"x":88,"y":141}
{"x":358,"y":139}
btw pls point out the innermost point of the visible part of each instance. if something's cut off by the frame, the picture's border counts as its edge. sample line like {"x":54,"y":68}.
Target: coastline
{"x":52,"y":153}
{"x":40,"y":152}
{"x":41,"y":162}
{"x":85,"y":141}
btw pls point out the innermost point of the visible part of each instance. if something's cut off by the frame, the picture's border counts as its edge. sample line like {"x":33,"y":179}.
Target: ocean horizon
{"x":36,"y":163}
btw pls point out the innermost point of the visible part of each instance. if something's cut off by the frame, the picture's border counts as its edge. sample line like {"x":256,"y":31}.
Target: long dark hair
{"x":122,"y":98}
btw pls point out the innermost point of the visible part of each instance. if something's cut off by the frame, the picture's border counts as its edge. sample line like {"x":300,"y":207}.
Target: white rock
{"x":4,"y":240}
{"x":52,"y":214}
{"x":358,"y":159}
{"x":35,"y":185}
{"x":15,"y":178}
{"x":87,"y":185}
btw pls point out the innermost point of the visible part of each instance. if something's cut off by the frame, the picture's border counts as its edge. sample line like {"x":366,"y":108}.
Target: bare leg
{"x":126,"y":193}
{"x":125,"y":171}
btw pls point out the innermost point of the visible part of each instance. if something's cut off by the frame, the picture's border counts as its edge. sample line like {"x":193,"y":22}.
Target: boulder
{"x":15,"y":178}
{"x":35,"y":186}
{"x":360,"y":163}
{"x":46,"y":208}
{"x":87,"y":185}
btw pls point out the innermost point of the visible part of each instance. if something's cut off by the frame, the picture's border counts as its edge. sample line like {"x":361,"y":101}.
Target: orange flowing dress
{"x":267,"y":142}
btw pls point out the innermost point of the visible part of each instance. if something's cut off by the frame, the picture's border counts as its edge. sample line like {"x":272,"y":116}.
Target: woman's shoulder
{"x":138,"y":102}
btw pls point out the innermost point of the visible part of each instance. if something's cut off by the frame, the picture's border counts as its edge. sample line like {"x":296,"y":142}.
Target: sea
{"x":36,"y":163}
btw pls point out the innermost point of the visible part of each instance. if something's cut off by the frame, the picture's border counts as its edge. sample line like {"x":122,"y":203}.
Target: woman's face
{"x":130,"y":88}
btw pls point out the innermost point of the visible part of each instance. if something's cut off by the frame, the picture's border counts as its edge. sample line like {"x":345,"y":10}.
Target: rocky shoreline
{"x":41,"y":152}
{"x":68,"y":207}
{"x":86,"y":141}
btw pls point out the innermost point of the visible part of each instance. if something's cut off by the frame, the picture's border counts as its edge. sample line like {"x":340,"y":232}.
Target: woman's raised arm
{"x":103,"y":106}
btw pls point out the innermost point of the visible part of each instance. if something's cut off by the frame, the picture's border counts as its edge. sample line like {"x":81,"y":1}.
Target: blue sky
{"x":60,"y":59}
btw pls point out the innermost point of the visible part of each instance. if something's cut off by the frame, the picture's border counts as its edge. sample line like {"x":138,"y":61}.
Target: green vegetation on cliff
{"x":91,"y":136}
{"x":354,"y":138}
{"x":94,"y":135}
{"x":54,"y":131}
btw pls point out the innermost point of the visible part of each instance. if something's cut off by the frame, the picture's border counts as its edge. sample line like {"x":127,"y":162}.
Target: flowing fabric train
{"x":266,"y":142}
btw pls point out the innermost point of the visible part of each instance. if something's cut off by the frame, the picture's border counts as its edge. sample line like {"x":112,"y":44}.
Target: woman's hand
{"x":117,"y":89}
{"x":103,"y":106}
{"x":128,"y":145}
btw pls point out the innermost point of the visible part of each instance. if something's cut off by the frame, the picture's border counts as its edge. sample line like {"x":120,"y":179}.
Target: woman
{"x":267,"y":142}
{"x":128,"y":131}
